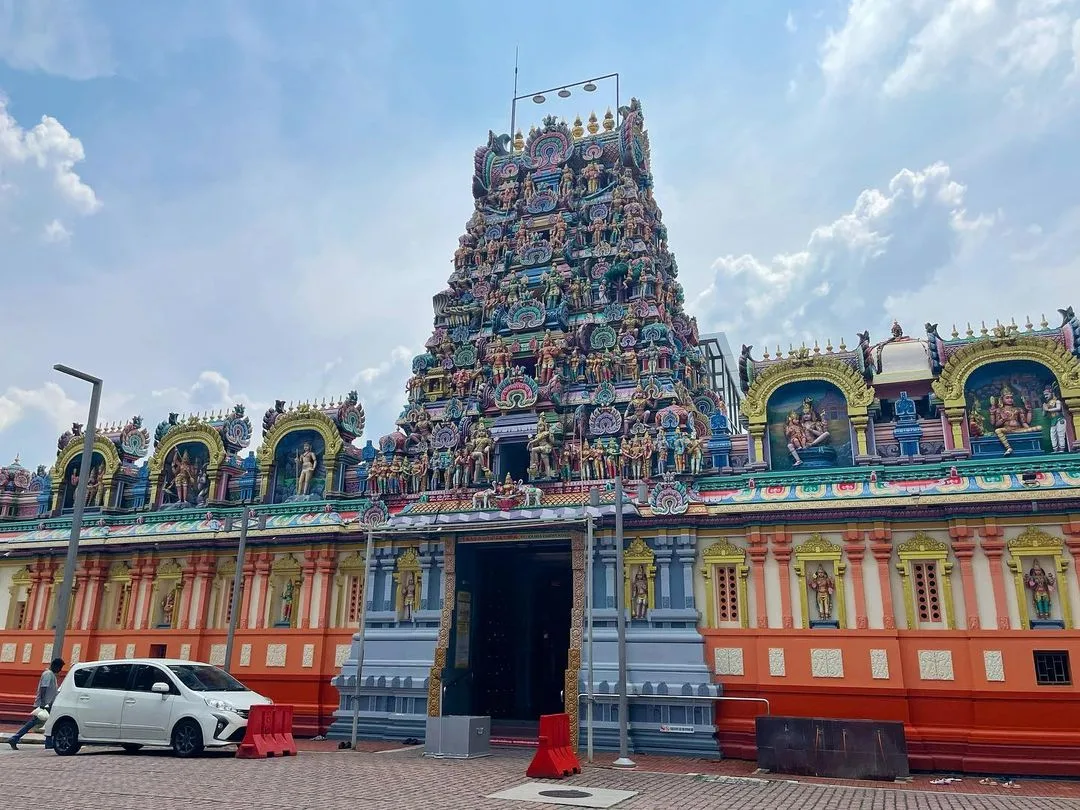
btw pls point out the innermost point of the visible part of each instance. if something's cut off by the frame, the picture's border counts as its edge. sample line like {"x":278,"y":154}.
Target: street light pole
{"x":361,"y":632}
{"x":589,"y":620}
{"x":234,"y":611}
{"x":624,"y":760}
{"x":63,"y":598}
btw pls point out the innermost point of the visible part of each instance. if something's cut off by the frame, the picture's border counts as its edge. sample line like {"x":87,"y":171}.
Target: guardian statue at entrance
{"x":823,"y":587}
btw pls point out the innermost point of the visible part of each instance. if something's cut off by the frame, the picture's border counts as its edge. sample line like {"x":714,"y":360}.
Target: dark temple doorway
{"x":520,"y":597}
{"x":513,"y":460}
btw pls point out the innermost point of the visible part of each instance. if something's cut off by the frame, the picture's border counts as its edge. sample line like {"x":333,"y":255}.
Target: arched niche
{"x":808,"y":426}
{"x":185,"y":468}
{"x":281,"y":456}
{"x":104,"y":464}
{"x":970,"y":375}
{"x":857,"y":397}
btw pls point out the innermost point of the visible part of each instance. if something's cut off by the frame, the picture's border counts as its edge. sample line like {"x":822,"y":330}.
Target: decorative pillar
{"x":95,"y":583}
{"x":686,"y":557}
{"x":1073,"y":404}
{"x":993,"y":546}
{"x":664,"y":597}
{"x":32,"y":598}
{"x":204,"y":579}
{"x":187,"y":579}
{"x":758,"y":550}
{"x":75,"y":619}
{"x":757,"y":439}
{"x":325,"y":568}
{"x":307,"y":585}
{"x":881,"y":548}
{"x":146,"y":613}
{"x":262,"y":582}
{"x":855,"y":549}
{"x":963,"y":549}
{"x":133,"y":596}
{"x":954,"y":414}
{"x":781,"y":549}
{"x":245,"y":600}
{"x":860,"y":423}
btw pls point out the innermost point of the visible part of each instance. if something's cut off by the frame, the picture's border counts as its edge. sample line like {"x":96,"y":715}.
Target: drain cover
{"x":565,"y":794}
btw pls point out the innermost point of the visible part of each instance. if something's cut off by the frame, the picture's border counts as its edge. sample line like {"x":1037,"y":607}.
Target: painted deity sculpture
{"x":168,"y":606}
{"x":408,"y":597}
{"x":1055,"y":417}
{"x":823,"y":587}
{"x":306,"y":461}
{"x":639,"y":594}
{"x":805,"y":430}
{"x":1041,"y":584}
{"x":287,"y":598}
{"x":541,"y":451}
{"x":1006,"y":418}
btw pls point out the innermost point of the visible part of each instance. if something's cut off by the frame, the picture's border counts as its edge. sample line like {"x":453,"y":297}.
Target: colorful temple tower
{"x":888,"y":531}
{"x":560,"y":358}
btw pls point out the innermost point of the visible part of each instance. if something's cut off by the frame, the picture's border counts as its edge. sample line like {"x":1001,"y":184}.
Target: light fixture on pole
{"x":63,"y":598}
{"x":361,"y":632}
{"x":594,"y":501}
{"x":624,"y":760}
{"x":234,"y":605}
{"x":562,"y":91}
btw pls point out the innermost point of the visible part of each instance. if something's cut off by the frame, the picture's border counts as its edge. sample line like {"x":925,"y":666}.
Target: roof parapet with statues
{"x":941,"y":349}
{"x":860,"y":358}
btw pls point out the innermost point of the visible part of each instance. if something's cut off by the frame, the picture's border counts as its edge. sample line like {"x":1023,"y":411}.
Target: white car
{"x":149,"y":701}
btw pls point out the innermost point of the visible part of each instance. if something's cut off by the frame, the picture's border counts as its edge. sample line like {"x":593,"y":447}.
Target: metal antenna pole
{"x":624,"y":760}
{"x":63,"y":598}
{"x":513,"y":104}
{"x":361,"y":632}
{"x":234,"y":611}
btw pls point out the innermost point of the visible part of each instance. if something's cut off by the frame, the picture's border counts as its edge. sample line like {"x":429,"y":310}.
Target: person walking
{"x":46,"y":694}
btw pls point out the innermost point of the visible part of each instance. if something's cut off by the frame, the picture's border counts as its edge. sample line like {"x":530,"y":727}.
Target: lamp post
{"x":234,"y":611}
{"x":63,"y":598}
{"x":588,"y":85}
{"x":624,"y":760}
{"x":369,"y":549}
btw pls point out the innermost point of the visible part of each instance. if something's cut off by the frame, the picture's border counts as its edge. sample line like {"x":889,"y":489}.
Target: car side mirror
{"x":160,"y":688}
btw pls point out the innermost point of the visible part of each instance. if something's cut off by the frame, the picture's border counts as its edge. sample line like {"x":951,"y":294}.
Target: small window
{"x":146,"y":676}
{"x":727,"y":594}
{"x":926,"y":591}
{"x":82,"y":677}
{"x":111,"y":676}
{"x":1052,"y":668}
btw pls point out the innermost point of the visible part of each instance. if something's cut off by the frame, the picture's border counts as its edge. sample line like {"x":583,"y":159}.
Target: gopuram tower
{"x":561,"y":358}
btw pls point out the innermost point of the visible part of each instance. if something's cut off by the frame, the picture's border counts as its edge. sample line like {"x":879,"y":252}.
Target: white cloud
{"x":789,"y":23}
{"x":53,"y":402}
{"x":400,"y":357}
{"x":53,"y":36}
{"x":1074,"y":76}
{"x":211,"y":392}
{"x":892,"y":241}
{"x":37,"y":175}
{"x":903,"y":48}
{"x":56,"y":232}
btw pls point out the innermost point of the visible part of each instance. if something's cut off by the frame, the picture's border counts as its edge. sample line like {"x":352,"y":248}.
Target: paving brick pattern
{"x":403,"y":780}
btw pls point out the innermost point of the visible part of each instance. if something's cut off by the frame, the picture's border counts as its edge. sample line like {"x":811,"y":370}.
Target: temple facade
{"x":887,"y":530}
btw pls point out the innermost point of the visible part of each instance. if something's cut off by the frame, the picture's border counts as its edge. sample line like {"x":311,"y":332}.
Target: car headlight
{"x":220,"y":705}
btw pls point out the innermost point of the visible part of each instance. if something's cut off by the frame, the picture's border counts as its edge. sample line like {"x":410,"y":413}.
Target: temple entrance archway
{"x":511,"y":633}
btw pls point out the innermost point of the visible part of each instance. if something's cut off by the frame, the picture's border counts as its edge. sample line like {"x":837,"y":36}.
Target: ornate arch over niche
{"x":197,"y":432}
{"x":1025,"y":551}
{"x":303,"y":418}
{"x":812,"y":557}
{"x":102,"y":446}
{"x":725,"y":565}
{"x":857,"y":394}
{"x":951,"y":384}
{"x":639,"y":562}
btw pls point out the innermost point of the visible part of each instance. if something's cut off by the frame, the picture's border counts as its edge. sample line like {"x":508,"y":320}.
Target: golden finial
{"x":519,"y":141}
{"x":1028,"y":324}
{"x":955,"y":334}
{"x":843,"y":346}
{"x":594,"y":127}
{"x":984,"y":331}
{"x":779,"y":353}
{"x":765,"y":355}
{"x":791,"y":350}
{"x":828,"y":346}
{"x":578,"y":130}
{"x":969,"y":332}
{"x":817,"y":349}
{"x":609,"y":121}
{"x":1044,"y":324}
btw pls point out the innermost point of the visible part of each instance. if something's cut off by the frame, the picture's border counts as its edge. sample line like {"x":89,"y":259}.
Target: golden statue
{"x":1007,"y":417}
{"x":639,"y":593}
{"x":823,"y":587}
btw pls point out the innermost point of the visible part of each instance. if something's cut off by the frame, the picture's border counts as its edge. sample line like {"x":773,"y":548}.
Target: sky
{"x":236,"y":202}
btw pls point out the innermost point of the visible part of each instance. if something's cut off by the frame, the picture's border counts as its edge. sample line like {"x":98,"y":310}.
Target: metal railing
{"x":663,"y":698}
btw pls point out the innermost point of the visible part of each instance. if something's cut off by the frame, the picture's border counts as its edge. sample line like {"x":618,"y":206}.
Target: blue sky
{"x":256,"y":200}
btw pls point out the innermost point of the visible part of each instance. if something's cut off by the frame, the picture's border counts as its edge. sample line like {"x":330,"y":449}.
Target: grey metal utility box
{"x":458,"y":737}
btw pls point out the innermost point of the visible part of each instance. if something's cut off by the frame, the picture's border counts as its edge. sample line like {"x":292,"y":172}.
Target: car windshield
{"x":206,"y":679}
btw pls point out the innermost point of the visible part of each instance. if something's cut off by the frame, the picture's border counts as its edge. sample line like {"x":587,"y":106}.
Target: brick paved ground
{"x":402,"y":780}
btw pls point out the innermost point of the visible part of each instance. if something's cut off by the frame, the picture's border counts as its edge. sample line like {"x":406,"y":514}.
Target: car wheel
{"x":187,"y":739}
{"x":131,"y":748}
{"x":65,"y":737}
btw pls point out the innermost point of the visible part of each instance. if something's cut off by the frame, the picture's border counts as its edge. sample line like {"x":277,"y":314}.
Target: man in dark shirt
{"x":46,"y":694}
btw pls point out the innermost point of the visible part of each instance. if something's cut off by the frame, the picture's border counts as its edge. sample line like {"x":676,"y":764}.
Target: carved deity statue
{"x":287,"y":597}
{"x":639,"y":593}
{"x":408,"y":596}
{"x":183,"y":475}
{"x":541,"y":450}
{"x":592,"y":174}
{"x":807,"y":429}
{"x":1054,"y":411}
{"x":306,"y":461}
{"x":479,"y":456}
{"x":1041,"y":584}
{"x":168,"y":606}
{"x":1006,"y":417}
{"x":823,"y":587}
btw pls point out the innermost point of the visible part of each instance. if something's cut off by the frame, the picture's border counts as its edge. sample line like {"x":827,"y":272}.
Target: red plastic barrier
{"x":268,"y":734}
{"x":555,"y":757}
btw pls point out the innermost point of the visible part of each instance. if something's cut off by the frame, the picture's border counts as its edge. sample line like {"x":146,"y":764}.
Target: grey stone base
{"x":682,"y":729}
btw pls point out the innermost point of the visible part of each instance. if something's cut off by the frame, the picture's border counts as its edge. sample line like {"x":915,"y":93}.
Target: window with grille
{"x":119,"y":615}
{"x":927,"y":597}
{"x":20,"y":615}
{"x":229,"y":601}
{"x":1052,"y":668}
{"x":727,"y":594}
{"x":356,"y":595}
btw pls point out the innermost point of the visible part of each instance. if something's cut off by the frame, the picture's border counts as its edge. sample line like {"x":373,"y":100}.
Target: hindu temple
{"x":887,"y":530}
